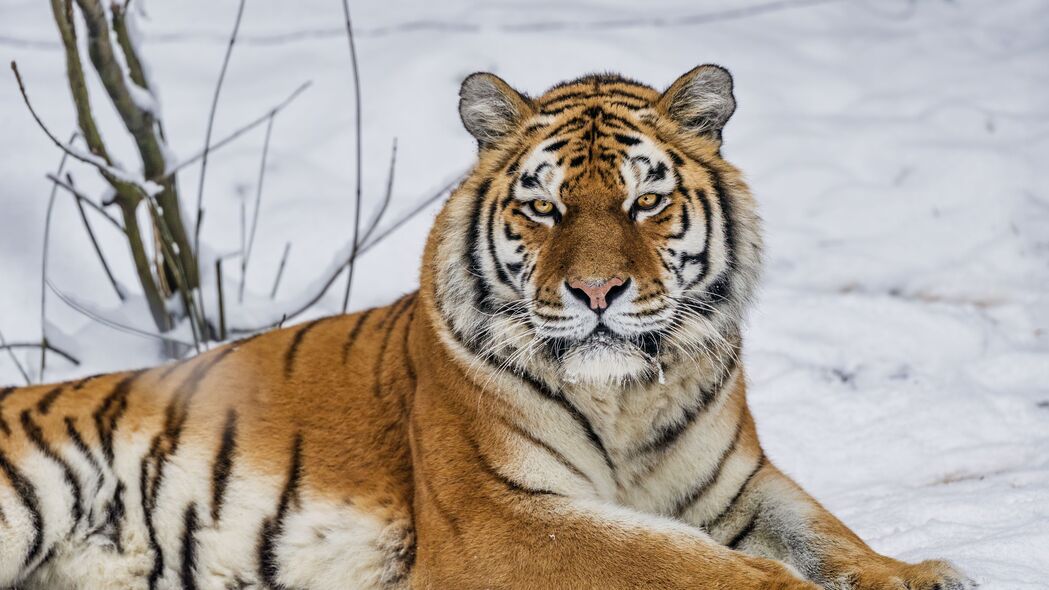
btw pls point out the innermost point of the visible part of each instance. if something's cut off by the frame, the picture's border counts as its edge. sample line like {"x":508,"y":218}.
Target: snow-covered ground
{"x":899,"y":356}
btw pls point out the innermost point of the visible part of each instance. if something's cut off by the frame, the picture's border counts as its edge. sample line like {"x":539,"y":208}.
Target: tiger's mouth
{"x":605,"y":355}
{"x":602,"y":335}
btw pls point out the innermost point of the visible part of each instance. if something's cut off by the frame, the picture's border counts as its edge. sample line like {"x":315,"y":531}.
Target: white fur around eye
{"x":646,"y":169}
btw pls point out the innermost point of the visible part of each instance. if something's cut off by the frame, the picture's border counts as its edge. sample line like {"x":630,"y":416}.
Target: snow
{"x":899,"y":354}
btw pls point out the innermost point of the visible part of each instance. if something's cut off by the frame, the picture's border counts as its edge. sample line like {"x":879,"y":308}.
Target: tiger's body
{"x":273,"y":488}
{"x":561,"y":405}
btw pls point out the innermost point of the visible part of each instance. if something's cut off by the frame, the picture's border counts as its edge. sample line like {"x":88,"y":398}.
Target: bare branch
{"x":117,"y":175}
{"x":94,"y":244}
{"x":43,"y":260}
{"x":110,"y":323}
{"x":83,"y":199}
{"x":422,"y":206}
{"x":374,"y":223}
{"x":14,"y":358}
{"x":222,"y":299}
{"x":306,"y":302}
{"x":241,"y":131}
{"x":280,"y":270}
{"x":255,"y":215}
{"x":211,"y":124}
{"x":44,"y":347}
{"x":357,"y":134}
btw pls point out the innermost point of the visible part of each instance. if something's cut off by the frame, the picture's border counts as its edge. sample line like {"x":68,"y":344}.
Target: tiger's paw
{"x":927,"y":575}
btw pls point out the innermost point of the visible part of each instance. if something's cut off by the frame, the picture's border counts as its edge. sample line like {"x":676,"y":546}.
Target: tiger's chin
{"x":603,"y":360}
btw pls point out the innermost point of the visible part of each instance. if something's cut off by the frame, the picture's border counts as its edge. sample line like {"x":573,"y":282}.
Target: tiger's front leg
{"x":773,"y":517}
{"x":481,"y":522}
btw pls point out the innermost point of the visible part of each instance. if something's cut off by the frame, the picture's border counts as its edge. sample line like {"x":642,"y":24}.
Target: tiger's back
{"x":277,"y":461}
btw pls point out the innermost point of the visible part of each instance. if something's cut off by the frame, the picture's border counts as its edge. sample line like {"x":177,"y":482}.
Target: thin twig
{"x":197,"y":320}
{"x":222,"y":299}
{"x":403,"y":219}
{"x":110,"y":323}
{"x":14,"y":358}
{"x":82,"y":198}
{"x":255,"y":215}
{"x":105,"y":168}
{"x":98,"y":249}
{"x":240,"y":131}
{"x":47,"y":348}
{"x":386,"y":197}
{"x":211,"y":124}
{"x":280,"y":269}
{"x":43,"y":260}
{"x":422,"y":206}
{"x":357,"y":115}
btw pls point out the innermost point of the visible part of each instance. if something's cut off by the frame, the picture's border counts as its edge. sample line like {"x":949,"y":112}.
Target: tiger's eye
{"x":542,"y":207}
{"x":648,"y":201}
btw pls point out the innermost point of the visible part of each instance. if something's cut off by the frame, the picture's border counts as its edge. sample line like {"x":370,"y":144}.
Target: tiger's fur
{"x":490,"y":431}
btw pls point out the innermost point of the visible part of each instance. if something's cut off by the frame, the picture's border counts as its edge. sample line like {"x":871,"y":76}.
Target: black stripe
{"x":419,"y":450}
{"x":36,"y":436}
{"x":354,"y":332}
{"x":508,"y":232}
{"x":607,"y":117}
{"x":27,"y":494}
{"x":81,"y":446}
{"x":44,"y":405}
{"x":165,"y":444}
{"x":556,"y":145}
{"x":627,"y":105}
{"x":703,"y":258}
{"x":715,"y":474}
{"x":719,"y":288}
{"x":296,"y":342}
{"x":115,"y":516}
{"x":110,"y":411}
{"x":521,"y":432}
{"x":578,"y":416}
{"x":500,"y":272}
{"x":571,"y":125}
{"x":546,"y":392}
{"x":223,"y":465}
{"x":408,"y":364}
{"x":746,"y":530}
{"x":626,"y":139}
{"x":473,"y":235}
{"x":511,"y":484}
{"x":727,"y":221}
{"x":686,"y":224}
{"x":80,"y":384}
{"x":398,"y":310}
{"x":273,"y":527}
{"x":189,"y":548}
{"x":668,"y":435}
{"x":4,"y":394}
{"x":147,"y":515}
{"x":739,"y":493}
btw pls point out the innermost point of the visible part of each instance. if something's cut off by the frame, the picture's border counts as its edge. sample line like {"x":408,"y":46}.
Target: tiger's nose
{"x":598,"y":294}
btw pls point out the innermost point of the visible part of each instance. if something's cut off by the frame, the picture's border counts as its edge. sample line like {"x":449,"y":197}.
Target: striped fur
{"x":491,"y":430}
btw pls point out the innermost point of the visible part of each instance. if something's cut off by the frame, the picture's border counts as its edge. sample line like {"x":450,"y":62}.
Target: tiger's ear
{"x":701,"y":101}
{"x":490,"y":108}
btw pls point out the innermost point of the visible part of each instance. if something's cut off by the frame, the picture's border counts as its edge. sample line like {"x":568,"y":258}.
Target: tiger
{"x":561,"y":403}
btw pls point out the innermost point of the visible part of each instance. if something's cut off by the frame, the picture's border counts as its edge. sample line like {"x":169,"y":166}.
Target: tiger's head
{"x":601,"y":236}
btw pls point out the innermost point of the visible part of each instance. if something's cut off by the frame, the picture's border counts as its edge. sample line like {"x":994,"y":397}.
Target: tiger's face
{"x":601,"y":235}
